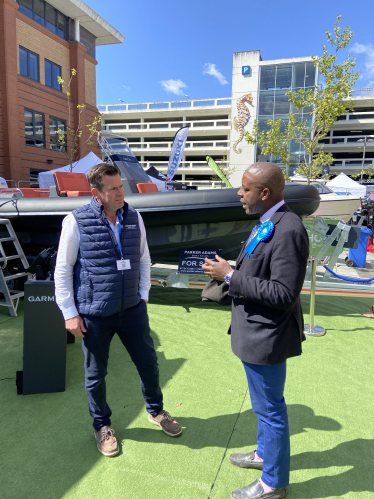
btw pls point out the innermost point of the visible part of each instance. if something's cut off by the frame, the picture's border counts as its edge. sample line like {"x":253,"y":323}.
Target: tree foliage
{"x":325,"y":102}
{"x":69,"y":138}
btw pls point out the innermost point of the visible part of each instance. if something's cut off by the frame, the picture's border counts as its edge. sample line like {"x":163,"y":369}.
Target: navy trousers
{"x":266,"y":386}
{"x":132,"y":327}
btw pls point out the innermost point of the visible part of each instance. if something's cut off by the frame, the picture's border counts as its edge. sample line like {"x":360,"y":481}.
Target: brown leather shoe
{"x":167,"y":423}
{"x":106,"y":441}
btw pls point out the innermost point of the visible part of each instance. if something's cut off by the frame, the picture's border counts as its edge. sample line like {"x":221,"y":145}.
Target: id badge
{"x":123,"y":265}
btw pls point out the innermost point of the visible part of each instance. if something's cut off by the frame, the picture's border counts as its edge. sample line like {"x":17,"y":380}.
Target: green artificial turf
{"x":48,"y":449}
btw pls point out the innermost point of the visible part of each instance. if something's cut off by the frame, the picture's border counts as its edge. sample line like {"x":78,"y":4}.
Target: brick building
{"x":40,"y":41}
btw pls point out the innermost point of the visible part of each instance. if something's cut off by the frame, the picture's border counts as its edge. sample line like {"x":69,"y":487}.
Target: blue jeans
{"x":266,"y":386}
{"x":132,"y":327}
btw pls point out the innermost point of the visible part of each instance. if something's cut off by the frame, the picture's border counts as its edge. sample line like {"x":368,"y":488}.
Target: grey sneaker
{"x":106,"y":441}
{"x":167,"y":423}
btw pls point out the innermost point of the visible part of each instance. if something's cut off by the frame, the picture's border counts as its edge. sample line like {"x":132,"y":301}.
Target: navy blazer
{"x":267,"y":324}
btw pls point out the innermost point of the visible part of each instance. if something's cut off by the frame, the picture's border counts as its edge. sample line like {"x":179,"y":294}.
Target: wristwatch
{"x":228,"y":277}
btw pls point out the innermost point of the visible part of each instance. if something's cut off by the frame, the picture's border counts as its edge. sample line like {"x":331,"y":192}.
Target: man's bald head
{"x":270,"y":176}
{"x":262,"y":188}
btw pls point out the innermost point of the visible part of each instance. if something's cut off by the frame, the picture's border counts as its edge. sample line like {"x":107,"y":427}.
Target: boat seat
{"x":29,"y":192}
{"x":71,"y":184}
{"x":146,"y":187}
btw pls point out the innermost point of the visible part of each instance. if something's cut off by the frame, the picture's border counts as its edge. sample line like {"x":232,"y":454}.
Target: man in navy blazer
{"x":267,"y":322}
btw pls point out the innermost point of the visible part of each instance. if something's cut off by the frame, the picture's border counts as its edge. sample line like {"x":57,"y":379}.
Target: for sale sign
{"x":191,"y":260}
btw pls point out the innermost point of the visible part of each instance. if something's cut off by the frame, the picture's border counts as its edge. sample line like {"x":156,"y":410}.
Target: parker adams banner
{"x":176,"y":152}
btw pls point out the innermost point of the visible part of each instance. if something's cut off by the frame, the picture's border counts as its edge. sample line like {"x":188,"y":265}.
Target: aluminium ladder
{"x":10,"y":295}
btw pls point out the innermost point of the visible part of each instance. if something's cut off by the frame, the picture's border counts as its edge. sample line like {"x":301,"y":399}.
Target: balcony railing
{"x":170,"y":125}
{"x":349,"y":140}
{"x":357,"y":115}
{"x":163,"y":165}
{"x":145,"y":106}
{"x":350,"y":164}
{"x":211,"y":144}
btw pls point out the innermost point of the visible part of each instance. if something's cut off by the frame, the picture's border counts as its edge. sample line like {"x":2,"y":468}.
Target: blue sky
{"x":175,"y":48}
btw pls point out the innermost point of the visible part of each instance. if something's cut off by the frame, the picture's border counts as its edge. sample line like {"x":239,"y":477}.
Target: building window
{"x":52,"y":72}
{"x":34,"y":128}
{"x":45,"y":15}
{"x":28,"y":64}
{"x":57,"y":129}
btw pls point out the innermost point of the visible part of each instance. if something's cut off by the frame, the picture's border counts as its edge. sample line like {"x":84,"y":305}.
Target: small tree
{"x":69,"y":138}
{"x":325,"y":102}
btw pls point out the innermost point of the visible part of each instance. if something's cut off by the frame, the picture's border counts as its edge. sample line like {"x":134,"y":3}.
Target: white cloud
{"x":126,"y":87}
{"x":210,"y":69}
{"x":368,"y":52}
{"x":173,"y":86}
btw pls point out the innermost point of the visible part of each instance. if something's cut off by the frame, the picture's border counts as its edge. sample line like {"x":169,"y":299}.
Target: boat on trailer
{"x":211,"y":219}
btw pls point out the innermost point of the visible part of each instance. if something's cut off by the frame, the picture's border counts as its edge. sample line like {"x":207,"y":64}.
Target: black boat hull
{"x":210,"y":219}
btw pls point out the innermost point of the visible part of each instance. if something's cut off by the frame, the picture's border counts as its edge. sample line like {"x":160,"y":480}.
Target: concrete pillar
{"x":11,"y":116}
{"x":77,"y":35}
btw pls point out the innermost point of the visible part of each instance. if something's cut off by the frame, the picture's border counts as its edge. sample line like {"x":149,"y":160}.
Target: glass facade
{"x":45,"y":15}
{"x":55,"y":124}
{"x":28,"y":64}
{"x":273,"y":103}
{"x":34,"y":128}
{"x":52,"y":72}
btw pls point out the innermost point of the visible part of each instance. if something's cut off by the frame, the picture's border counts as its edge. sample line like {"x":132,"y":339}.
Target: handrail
{"x":191,"y":144}
{"x":24,"y":181}
{"x":164,"y":124}
{"x":2,"y":252}
{"x":194,"y":103}
{"x":11,"y":181}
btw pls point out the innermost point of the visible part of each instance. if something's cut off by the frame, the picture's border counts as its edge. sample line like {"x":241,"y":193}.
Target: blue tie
{"x":253,"y":233}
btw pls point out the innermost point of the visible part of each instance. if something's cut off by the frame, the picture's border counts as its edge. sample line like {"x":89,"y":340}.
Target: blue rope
{"x":348,"y":278}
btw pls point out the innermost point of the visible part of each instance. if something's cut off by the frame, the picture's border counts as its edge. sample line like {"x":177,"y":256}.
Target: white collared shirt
{"x":267,"y":216}
{"x":67,"y":256}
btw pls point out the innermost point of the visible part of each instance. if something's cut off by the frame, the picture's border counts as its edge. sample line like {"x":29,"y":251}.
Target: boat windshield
{"x":322,"y":189}
{"x":119,"y":146}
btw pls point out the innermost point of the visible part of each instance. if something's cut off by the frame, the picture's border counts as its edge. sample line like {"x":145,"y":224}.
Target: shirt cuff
{"x":144,"y":294}
{"x":69,"y":312}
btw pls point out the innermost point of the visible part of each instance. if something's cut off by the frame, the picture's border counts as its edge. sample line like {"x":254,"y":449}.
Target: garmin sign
{"x":41,"y":298}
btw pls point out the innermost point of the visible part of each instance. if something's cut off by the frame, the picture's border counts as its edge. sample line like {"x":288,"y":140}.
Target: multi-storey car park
{"x":150,"y":128}
{"x":217,"y":126}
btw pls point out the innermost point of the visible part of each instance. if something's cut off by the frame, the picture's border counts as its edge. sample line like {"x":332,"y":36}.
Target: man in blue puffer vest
{"x":102,"y":281}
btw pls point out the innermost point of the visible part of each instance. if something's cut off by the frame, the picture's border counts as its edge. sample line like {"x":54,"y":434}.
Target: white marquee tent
{"x":345,"y":185}
{"x":82,"y":166}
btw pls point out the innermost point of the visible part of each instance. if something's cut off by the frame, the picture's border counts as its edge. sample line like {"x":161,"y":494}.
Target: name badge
{"x":123,"y":265}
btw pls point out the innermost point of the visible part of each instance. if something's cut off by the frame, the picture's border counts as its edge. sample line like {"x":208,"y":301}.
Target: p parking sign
{"x":245,"y":70}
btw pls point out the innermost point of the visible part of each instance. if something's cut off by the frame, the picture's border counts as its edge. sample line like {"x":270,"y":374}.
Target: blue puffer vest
{"x":99,"y":288}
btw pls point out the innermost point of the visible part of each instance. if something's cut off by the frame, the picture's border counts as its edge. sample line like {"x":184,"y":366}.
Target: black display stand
{"x":44,"y":340}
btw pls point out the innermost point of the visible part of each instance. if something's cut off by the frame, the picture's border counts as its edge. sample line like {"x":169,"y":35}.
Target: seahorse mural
{"x":242,"y":119}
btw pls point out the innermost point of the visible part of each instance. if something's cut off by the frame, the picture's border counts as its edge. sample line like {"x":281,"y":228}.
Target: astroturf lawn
{"x":48,"y":449}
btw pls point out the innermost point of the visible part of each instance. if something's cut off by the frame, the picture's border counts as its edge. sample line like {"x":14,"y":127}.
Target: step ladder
{"x":11,"y":296}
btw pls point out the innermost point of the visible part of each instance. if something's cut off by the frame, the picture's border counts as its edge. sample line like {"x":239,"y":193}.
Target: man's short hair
{"x":97,"y":172}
